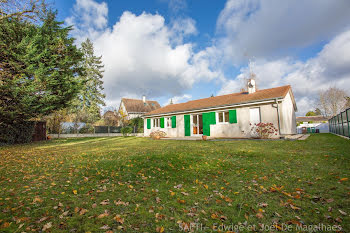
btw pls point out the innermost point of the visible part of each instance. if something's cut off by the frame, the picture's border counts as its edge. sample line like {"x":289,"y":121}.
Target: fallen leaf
{"x":343,"y":212}
{"x":343,"y":179}
{"x":160,"y":229}
{"x":47,"y":226}
{"x":105,"y":202}
{"x":75,"y":192}
{"x":105,"y":214}
{"x":259,"y":215}
{"x":83,"y":211}
{"x":184,"y":193}
{"x":263,"y":204}
{"x":294,"y":207}
{"x":105,"y":227}
{"x":119,"y":219}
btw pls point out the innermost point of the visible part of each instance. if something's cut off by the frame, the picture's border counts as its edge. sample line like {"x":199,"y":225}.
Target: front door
{"x":197,"y":124}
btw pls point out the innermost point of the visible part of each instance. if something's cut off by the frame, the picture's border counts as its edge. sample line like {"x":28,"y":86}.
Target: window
{"x":223,"y":117}
{"x":254,"y":115}
{"x":167,"y":122}
{"x":156,"y":122}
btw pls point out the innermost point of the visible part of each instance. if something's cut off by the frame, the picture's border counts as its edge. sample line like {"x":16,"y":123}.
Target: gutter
{"x":272,"y":100}
{"x":278,"y":117}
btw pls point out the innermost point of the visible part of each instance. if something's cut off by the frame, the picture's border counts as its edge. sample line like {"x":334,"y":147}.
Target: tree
{"x":318,"y":112}
{"x":332,"y":101}
{"x":86,"y":106}
{"x":137,"y":124}
{"x":54,"y":121}
{"x":310,"y":113}
{"x":123,"y":117}
{"x":39,"y":65}
{"x":23,"y":9}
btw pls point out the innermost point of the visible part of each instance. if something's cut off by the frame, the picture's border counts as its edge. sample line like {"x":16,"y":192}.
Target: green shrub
{"x":17,"y":133}
{"x":126,"y":130}
{"x":86,"y":129}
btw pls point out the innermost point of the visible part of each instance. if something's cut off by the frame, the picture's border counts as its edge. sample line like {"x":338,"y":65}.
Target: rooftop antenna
{"x":251,"y":69}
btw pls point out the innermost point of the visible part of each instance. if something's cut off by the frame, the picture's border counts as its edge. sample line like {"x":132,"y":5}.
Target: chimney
{"x":144,"y":98}
{"x":251,"y":86}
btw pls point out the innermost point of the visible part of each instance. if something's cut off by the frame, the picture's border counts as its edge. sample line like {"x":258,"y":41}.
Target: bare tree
{"x":29,"y":9}
{"x":332,"y":101}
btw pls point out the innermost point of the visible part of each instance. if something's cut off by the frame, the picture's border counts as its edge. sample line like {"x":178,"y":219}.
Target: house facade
{"x":133,"y":108}
{"x":226,"y":116}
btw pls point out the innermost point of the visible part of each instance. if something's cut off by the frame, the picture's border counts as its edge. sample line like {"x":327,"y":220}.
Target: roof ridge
{"x":232,"y":98}
{"x":235,"y":93}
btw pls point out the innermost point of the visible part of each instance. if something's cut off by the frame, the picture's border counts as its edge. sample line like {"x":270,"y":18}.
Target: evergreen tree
{"x":87,"y":106}
{"x":39,"y":66}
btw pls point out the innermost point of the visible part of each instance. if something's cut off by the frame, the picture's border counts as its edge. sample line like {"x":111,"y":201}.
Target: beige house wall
{"x":287,"y":116}
{"x":241,"y":129}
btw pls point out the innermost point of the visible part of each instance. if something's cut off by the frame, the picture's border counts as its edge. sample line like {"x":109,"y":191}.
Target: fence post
{"x":347,"y":119}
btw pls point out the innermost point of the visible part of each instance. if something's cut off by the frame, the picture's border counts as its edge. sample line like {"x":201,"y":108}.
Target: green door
{"x":187,"y":123}
{"x":208,"y":119}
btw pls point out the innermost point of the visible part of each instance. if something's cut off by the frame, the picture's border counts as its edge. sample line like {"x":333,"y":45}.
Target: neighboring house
{"x":227,"y":115}
{"x":312,"y":124}
{"x":133,"y":108}
{"x":110,"y":118}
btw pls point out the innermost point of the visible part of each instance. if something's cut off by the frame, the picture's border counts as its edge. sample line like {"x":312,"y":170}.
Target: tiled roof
{"x":311,"y":118}
{"x":134,"y":105}
{"x":222,"y":100}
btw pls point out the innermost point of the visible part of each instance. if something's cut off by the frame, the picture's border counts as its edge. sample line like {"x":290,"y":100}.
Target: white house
{"x":227,"y":115}
{"x":134,"y":108}
{"x":312,"y":124}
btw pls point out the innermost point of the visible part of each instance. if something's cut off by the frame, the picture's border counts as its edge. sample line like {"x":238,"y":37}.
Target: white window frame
{"x":223,"y":117}
{"x":155,"y":122}
{"x":250,"y":117}
{"x":166,"y":121}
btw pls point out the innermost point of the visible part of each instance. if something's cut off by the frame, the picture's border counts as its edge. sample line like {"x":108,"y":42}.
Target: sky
{"x":190,"y":49}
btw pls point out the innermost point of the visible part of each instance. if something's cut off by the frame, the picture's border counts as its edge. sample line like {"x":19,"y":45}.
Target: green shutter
{"x":233,"y":116}
{"x":173,"y":122}
{"x":162,"y":122}
{"x":148,"y":123}
{"x":212,"y":118}
{"x":206,"y":125}
{"x":187,"y":123}
{"x":209,"y":118}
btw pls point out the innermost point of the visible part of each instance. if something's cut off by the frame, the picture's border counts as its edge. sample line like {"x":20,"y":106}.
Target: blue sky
{"x":191,"y":49}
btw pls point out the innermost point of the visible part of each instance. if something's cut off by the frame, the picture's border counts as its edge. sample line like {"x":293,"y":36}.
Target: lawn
{"x":140,"y":185}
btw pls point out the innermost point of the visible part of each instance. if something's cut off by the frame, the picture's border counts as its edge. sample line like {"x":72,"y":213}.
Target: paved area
{"x":289,"y":137}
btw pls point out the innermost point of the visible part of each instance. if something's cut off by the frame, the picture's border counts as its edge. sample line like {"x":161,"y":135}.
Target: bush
{"x":126,"y":130}
{"x":17,"y":133}
{"x":157,"y":134}
{"x":86,"y":129}
{"x":263,"y":130}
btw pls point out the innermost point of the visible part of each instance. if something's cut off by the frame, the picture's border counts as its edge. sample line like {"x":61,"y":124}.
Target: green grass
{"x":229,"y":182}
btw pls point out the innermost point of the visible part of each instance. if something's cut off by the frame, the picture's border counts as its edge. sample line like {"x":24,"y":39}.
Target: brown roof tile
{"x":134,"y":105}
{"x":234,"y":98}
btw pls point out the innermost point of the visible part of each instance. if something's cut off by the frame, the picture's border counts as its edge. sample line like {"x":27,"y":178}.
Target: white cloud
{"x":140,"y":55}
{"x":89,"y":18}
{"x":328,"y":68}
{"x":179,"y":99}
{"x":269,"y":28}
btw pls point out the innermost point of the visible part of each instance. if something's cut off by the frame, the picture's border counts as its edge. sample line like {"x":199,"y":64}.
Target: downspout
{"x":278,"y":117}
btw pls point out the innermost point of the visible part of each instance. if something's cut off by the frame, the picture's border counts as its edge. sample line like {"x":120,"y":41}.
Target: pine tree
{"x":39,"y":66}
{"x":87,"y":105}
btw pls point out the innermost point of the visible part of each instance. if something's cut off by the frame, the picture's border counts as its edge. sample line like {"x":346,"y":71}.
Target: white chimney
{"x":251,"y":86}
{"x":144,"y":98}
